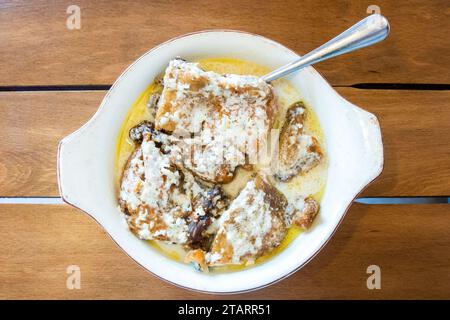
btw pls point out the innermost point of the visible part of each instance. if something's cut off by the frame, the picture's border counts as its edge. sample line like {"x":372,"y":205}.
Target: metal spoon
{"x":368,"y":31}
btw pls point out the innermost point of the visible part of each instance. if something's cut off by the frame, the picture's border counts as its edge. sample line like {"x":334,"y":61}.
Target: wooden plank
{"x":414,"y":124}
{"x":114,"y":33}
{"x":39,"y":242}
{"x":32,"y":125}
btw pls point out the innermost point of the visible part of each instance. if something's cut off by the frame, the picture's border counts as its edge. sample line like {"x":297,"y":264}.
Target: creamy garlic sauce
{"x":312,"y":183}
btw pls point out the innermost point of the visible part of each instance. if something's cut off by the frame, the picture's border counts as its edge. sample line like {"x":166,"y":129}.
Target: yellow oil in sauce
{"x":313,"y":183}
{"x":137,"y":113}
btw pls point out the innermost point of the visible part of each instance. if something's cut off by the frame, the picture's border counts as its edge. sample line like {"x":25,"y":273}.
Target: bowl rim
{"x":102,"y":105}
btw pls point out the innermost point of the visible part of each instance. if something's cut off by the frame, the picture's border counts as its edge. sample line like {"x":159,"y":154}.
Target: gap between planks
{"x":367,"y":200}
{"x":102,"y":87}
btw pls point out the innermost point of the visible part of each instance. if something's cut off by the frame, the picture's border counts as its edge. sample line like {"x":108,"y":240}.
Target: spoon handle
{"x":368,"y":31}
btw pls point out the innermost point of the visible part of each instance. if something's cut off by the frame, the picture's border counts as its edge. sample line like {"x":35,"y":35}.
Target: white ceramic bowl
{"x":354,"y":146}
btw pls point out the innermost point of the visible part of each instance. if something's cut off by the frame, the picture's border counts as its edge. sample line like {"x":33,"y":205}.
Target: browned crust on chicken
{"x":276,"y":200}
{"x":222,"y":174}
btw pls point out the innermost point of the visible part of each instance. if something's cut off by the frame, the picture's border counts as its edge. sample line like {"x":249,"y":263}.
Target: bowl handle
{"x":373,"y":144}
{"x":79,"y":188}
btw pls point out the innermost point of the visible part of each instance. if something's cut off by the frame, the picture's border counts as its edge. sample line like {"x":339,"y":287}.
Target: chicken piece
{"x":252,"y":226}
{"x":147,"y":187}
{"x":163,"y":201}
{"x":302,"y":212}
{"x":158,"y":198}
{"x":298,"y":152}
{"x":224,"y":118}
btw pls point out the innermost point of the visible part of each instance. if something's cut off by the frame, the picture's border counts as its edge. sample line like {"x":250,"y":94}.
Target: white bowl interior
{"x":86,"y":158}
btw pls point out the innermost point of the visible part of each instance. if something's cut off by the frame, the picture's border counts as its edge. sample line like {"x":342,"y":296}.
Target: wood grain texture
{"x":39,"y":242}
{"x":415,"y":127}
{"x":37,"y":48}
{"x":33,"y":123}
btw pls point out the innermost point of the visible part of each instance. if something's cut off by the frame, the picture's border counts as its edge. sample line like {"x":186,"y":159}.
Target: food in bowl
{"x":350,"y":139}
{"x":217,"y":167}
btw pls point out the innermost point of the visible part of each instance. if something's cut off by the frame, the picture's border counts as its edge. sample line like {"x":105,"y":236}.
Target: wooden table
{"x":52,"y":80}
